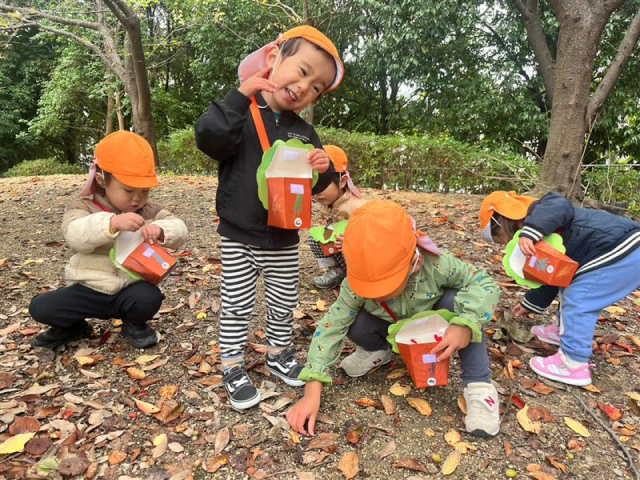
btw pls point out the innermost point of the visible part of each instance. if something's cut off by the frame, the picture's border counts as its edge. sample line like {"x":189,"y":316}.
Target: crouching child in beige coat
{"x":115,"y":200}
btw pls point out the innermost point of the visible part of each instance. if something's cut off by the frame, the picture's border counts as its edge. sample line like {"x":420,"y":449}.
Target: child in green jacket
{"x":395,"y":272}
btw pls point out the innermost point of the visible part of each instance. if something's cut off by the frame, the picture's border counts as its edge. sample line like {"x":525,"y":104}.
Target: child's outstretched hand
{"x":305,"y":411}
{"x":258,"y":83}
{"x":338,"y":242}
{"x":126,"y":222}
{"x":527,"y":246}
{"x":152,"y":233}
{"x":319,"y":160}
{"x":456,"y":337}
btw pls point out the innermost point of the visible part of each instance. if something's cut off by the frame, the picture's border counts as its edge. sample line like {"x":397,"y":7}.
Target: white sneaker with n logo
{"x":483,"y":409}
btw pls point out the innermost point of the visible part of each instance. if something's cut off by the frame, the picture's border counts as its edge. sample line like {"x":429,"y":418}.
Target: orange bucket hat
{"x":338,"y":157}
{"x":256,"y":61}
{"x":129,"y":158}
{"x":340,"y":162}
{"x":507,"y":204}
{"x":379,"y":244}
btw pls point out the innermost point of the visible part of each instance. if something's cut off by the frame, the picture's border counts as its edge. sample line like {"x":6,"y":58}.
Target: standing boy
{"x":300,"y":66}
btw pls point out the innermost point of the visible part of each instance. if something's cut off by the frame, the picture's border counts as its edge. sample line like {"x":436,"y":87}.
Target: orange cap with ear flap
{"x":318,"y":38}
{"x":507,"y":204}
{"x":338,"y":157}
{"x":379,"y":246}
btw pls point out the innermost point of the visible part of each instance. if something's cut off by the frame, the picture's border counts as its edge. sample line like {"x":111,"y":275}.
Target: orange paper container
{"x":151,"y":262}
{"x":415,"y":342}
{"x":289,"y":202}
{"x":550,"y":266}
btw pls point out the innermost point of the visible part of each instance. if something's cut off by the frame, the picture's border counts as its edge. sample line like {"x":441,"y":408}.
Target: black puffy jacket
{"x":226,"y":133}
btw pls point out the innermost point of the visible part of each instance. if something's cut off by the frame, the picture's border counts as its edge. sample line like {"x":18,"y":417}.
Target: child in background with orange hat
{"x":338,"y":202}
{"x":395,"y":272}
{"x":606,"y":247}
{"x":115,"y":200}
{"x":277,"y":81}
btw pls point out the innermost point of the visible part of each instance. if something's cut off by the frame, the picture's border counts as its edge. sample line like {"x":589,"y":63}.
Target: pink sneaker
{"x":555,"y":368}
{"x":549,"y":334}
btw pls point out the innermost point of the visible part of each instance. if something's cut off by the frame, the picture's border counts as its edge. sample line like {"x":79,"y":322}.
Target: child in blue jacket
{"x":606,"y":248}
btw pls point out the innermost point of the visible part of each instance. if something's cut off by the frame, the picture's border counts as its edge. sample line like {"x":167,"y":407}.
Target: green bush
{"x":43,"y":166}
{"x":614,"y":185}
{"x":428,"y":163}
{"x":178,"y":154}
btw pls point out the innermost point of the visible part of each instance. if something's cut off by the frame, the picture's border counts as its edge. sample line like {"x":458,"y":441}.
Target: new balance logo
{"x":490,"y":401}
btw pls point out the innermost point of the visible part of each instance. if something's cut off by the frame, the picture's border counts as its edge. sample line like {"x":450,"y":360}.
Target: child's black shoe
{"x":53,"y":337}
{"x":242,"y":392}
{"x":285,"y":366}
{"x":141,"y":336}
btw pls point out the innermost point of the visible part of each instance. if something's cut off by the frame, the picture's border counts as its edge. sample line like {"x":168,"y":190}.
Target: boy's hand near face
{"x":258,"y":83}
{"x":456,"y":337}
{"x":319,"y":160}
{"x":126,"y":222}
{"x":527,"y":246}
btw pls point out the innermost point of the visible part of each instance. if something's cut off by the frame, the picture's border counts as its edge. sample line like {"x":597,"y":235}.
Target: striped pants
{"x":241,"y":265}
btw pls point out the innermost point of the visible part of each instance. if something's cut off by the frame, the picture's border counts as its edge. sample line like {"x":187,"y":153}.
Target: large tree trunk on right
{"x":580,"y":32}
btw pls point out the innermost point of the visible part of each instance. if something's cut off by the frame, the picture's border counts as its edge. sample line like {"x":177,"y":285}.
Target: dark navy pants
{"x":370,"y":333}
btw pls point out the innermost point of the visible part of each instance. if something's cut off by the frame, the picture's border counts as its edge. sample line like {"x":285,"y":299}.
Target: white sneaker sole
{"x":557,"y":378}
{"x":365,"y":373}
{"x":289,"y":381}
{"x":246,"y":403}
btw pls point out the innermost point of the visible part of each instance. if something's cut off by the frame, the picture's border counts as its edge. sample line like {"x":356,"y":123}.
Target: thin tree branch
{"x":121,"y":11}
{"x":31,"y":13}
{"x":538,"y":40}
{"x":623,"y":54}
{"x":287,"y":10}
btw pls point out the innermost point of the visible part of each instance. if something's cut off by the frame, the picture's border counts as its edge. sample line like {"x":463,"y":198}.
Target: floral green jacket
{"x":474,"y":304}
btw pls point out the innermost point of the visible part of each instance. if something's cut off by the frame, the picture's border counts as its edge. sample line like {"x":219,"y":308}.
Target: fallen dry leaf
{"x":398,"y":373}
{"x":462,"y":404}
{"x":167,"y":392}
{"x":135,"y":373}
{"x":221,"y":441}
{"x":451,"y":462}
{"x":146,"y":407}
{"x":37,"y":446}
{"x":24,"y":425}
{"x":349,"y":465}
{"x":321,"y":305}
{"x":389,"y":404}
{"x":577,"y":427}
{"x":421,"y":405}
{"x":143,"y":359}
{"x":400,"y":389}
{"x":323,"y":440}
{"x":116,"y":457}
{"x":560,"y":466}
{"x":452,"y":437}
{"x":16,"y":443}
{"x":388,"y":449}
{"x":410,"y":464}
{"x":526,"y":423}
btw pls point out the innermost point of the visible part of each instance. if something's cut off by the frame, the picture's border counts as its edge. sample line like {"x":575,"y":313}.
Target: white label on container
{"x":148,"y":252}
{"x":297,"y":189}
{"x":291,"y":155}
{"x":428,"y":358}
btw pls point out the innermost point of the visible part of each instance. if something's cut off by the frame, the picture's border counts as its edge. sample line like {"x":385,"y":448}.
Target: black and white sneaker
{"x":242,"y":392}
{"x":285,"y":366}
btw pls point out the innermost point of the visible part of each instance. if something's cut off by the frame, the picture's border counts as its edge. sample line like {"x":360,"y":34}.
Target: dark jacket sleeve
{"x":324,"y":179}
{"x":219,"y":129}
{"x":550,"y":213}
{"x":537,"y":300}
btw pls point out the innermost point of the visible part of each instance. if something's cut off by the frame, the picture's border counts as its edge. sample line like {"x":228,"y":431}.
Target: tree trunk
{"x":580,"y":32}
{"x":120,"y":110}
{"x":110,"y":108}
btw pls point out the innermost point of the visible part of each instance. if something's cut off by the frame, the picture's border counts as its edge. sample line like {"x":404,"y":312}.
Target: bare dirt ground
{"x":78,"y":408}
